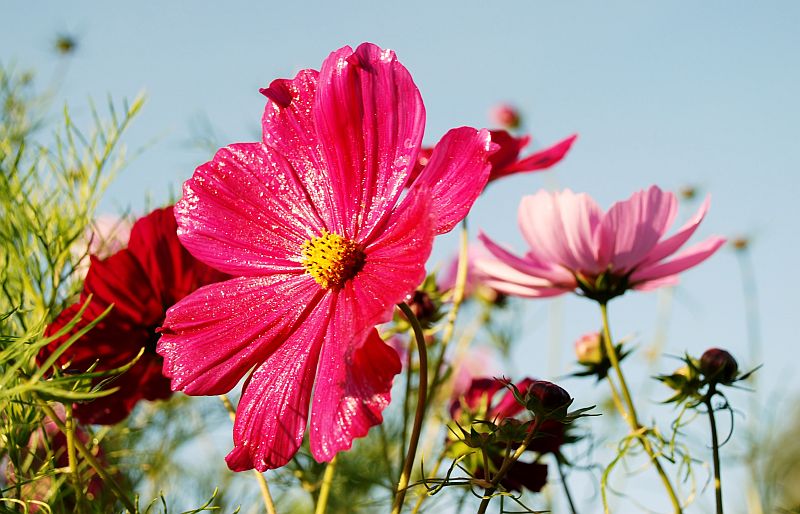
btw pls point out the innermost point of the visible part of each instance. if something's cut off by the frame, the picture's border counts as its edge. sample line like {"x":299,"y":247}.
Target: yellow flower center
{"x":332,"y":259}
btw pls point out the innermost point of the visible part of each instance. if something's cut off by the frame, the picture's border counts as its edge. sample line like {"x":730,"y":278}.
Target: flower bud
{"x":589,"y":349}
{"x":719,"y":366}
{"x":505,"y":116}
{"x":548,"y":400}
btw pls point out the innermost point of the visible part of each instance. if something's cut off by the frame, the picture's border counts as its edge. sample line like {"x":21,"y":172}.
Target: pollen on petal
{"x":332,"y":259}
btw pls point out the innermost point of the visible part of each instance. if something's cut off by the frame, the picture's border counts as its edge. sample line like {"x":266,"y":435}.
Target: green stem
{"x":91,"y":459}
{"x":458,"y":299}
{"x":630,"y":414}
{"x":433,"y":474}
{"x":564,"y":483}
{"x":263,"y":486}
{"x":501,"y":473}
{"x":325,"y":490}
{"x":405,"y":476}
{"x":715,"y":450}
{"x":69,"y":424}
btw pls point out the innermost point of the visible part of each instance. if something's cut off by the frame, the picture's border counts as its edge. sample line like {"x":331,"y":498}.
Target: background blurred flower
{"x":141,"y":281}
{"x":573,"y":244}
{"x":313,"y":224}
{"x":506,"y":116}
{"x":506,"y":160}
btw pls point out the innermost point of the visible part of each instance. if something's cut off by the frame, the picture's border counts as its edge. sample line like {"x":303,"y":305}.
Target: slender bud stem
{"x":405,"y":476}
{"x":501,"y":473}
{"x":715,"y":450}
{"x":260,"y":478}
{"x":325,"y":490}
{"x":630,"y":415}
{"x":560,"y":468}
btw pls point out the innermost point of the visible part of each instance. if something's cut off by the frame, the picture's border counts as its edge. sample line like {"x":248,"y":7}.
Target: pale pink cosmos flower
{"x":313,"y":223}
{"x":575,"y":245}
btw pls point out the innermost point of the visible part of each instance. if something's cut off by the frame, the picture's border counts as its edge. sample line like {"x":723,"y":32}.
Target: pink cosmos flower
{"x":575,"y":245}
{"x":313,"y":223}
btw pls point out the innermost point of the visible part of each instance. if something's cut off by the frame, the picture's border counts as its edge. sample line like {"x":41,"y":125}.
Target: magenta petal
{"x":354,"y":385}
{"x":670,"y":245}
{"x":211,"y":338}
{"x":272,"y":413}
{"x":540,"y":160}
{"x":456,"y":174}
{"x":635,"y":225}
{"x":245,"y":212}
{"x":686,"y":259}
{"x":395,"y":261}
{"x":288,"y":126}
{"x":560,"y":228}
{"x":370,"y":121}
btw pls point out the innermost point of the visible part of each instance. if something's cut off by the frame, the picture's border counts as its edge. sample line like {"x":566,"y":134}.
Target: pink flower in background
{"x":505,"y":115}
{"x":575,"y":245}
{"x":506,"y":160}
{"x":313,"y":224}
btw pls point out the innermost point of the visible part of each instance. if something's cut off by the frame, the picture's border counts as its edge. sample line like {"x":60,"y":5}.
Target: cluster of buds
{"x":591,"y":353}
{"x":486,"y":425}
{"x":697,"y":379}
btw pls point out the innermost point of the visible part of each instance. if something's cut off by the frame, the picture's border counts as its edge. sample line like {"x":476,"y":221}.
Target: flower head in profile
{"x":506,"y":159}
{"x":314,"y":224}
{"x":141,"y":281}
{"x":575,"y":245}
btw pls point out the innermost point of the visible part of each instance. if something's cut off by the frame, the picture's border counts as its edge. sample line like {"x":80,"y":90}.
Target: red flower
{"x":506,"y":161}
{"x":142,"y":282}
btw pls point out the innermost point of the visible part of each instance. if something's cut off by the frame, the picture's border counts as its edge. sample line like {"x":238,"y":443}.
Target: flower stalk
{"x":630,"y":414}
{"x":405,"y":475}
{"x":501,"y":473}
{"x":263,"y":486}
{"x":72,"y":458}
{"x":715,"y":450}
{"x":325,"y":490}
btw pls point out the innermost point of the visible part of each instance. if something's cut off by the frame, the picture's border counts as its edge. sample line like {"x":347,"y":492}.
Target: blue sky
{"x":674,"y":93}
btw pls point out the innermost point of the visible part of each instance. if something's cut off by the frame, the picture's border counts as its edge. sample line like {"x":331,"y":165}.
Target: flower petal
{"x":211,"y":338}
{"x":395,"y":261}
{"x":508,"y":406}
{"x":112,"y":343}
{"x":172,"y":271}
{"x":456,"y":174}
{"x":537,"y":273}
{"x":354,"y":383}
{"x":288,"y":126}
{"x":370,"y":121}
{"x":560,"y":229}
{"x":245,"y":212}
{"x":120,"y":280}
{"x":634,"y":226}
{"x":686,"y":259}
{"x":670,"y":245}
{"x":272,"y":413}
{"x":540,"y":160}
